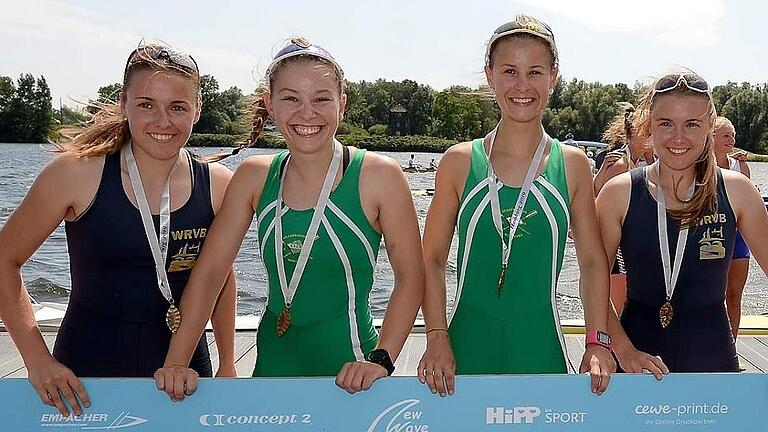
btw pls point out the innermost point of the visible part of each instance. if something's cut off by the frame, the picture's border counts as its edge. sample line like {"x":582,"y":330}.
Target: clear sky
{"x":80,"y":45}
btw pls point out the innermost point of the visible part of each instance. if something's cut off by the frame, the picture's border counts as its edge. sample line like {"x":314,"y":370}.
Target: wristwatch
{"x":381,"y":357}
{"x":600,"y":338}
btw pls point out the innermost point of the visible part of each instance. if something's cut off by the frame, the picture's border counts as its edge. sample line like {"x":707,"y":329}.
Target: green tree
{"x":456,"y":115}
{"x":26,"y":114}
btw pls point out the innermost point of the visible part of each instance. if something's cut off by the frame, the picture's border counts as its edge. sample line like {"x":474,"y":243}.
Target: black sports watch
{"x":381,"y":357}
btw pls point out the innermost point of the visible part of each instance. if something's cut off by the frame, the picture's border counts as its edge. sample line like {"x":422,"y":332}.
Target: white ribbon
{"x":517,"y":212}
{"x":159,"y":248}
{"x":671,"y":272}
{"x":289,"y":289}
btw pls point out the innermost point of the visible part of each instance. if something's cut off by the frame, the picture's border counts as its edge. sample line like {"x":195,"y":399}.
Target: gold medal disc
{"x":173,"y":318}
{"x":665,"y":314}
{"x":283,"y":321}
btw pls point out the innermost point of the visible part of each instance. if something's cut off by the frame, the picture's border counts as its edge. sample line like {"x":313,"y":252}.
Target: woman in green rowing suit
{"x":513,"y":214}
{"x":334,"y":204}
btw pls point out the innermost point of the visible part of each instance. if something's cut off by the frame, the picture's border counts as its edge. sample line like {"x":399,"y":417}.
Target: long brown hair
{"x":108,"y":129}
{"x":704,"y":199}
{"x":258,"y":109}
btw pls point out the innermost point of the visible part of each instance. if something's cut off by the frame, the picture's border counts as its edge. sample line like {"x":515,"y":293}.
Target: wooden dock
{"x":752,"y":349}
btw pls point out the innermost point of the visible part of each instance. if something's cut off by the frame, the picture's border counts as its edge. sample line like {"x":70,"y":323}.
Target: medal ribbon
{"x":289,"y":289}
{"x":159,"y":248}
{"x":671,"y":272}
{"x":517,"y":212}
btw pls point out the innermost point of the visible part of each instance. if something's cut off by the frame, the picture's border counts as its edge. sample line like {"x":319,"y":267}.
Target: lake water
{"x":47,"y":272}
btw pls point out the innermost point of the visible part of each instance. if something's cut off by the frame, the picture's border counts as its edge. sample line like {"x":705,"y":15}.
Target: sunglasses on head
{"x":691,"y":81}
{"x":296,"y":48}
{"x":165,"y":55}
{"x":523,"y":24}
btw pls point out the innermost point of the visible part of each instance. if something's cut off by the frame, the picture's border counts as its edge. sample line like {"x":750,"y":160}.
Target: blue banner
{"x":695,"y":402}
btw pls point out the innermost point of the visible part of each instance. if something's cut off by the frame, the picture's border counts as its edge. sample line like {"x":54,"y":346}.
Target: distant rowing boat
{"x":418,"y":169}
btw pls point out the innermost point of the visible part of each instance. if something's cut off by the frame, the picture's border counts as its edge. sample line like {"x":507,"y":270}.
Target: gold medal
{"x":173,"y":318}
{"x":502,"y":279}
{"x":283,"y":321}
{"x":665,"y":314}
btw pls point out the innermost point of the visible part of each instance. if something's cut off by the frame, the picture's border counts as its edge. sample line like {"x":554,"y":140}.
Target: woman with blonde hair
{"x":125,"y":188}
{"x":675,"y":317}
{"x":725,"y":139}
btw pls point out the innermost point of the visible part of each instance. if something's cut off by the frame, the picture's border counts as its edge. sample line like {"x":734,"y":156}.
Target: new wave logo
{"x":400,"y":417}
{"x":95,"y":421}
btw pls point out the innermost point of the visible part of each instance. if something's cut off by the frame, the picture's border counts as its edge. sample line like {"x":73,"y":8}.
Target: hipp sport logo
{"x":92,"y":421}
{"x":400,"y":417}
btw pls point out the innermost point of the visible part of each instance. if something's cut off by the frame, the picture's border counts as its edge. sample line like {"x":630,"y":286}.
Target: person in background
{"x":725,"y":139}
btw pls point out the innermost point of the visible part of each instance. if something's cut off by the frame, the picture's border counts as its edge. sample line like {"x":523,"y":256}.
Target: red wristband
{"x":600,"y":338}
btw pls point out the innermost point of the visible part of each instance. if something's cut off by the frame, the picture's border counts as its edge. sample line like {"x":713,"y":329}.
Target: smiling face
{"x":725,"y":139}
{"x":306,"y":102}
{"x":521,"y":76}
{"x":161,"y":108}
{"x":680,"y":125}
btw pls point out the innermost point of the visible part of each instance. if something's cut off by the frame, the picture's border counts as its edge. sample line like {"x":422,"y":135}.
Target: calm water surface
{"x":47,"y":272}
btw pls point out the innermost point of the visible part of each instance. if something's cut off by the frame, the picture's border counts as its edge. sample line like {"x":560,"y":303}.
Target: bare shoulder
{"x":254,"y":168}
{"x":220,"y":176}
{"x":738,"y":186}
{"x":73,"y":174}
{"x":617,"y":188}
{"x":574,"y":155}
{"x":457,"y":151}
{"x":65,"y":164}
{"x":378,"y":164}
{"x":456,"y":160}
{"x":219,"y":172}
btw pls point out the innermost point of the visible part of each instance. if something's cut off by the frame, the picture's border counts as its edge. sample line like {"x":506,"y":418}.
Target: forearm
{"x":223,"y":320}
{"x":196,"y":309}
{"x":594,"y":291}
{"x":619,"y":340}
{"x":401,"y":312}
{"x":733,"y":306}
{"x":434,"y":302}
{"x":19,"y":317}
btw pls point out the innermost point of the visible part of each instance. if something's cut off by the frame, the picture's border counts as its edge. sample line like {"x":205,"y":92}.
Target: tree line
{"x":458,"y":113}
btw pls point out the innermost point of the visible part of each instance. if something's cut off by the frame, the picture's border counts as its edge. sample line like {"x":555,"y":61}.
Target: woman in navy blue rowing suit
{"x":136,"y":208}
{"x":676,"y":222}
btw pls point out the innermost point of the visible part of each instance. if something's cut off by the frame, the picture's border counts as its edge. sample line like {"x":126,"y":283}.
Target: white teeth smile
{"x":161,"y":137}
{"x":677,"y":151}
{"x":522,"y":101}
{"x":306,"y":130}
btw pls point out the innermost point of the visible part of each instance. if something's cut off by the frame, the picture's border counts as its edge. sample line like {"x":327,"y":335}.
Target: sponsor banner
{"x":695,"y":402}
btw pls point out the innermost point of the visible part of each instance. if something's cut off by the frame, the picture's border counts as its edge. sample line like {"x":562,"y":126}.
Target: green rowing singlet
{"x":331,"y":321}
{"x":519,"y":331}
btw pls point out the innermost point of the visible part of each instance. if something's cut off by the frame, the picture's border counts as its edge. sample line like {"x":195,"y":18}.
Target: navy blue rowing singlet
{"x":115,"y":321}
{"x":699,"y":338}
